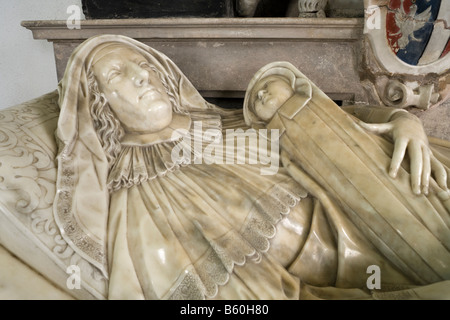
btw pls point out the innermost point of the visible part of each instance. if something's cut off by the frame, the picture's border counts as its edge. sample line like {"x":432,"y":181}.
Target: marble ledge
{"x":315,"y":29}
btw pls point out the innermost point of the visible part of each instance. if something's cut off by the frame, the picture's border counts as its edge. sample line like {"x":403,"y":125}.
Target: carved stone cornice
{"x":204,"y":28}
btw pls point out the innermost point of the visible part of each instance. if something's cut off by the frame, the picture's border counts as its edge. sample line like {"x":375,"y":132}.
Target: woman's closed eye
{"x":144,"y":64}
{"x":113,"y":74}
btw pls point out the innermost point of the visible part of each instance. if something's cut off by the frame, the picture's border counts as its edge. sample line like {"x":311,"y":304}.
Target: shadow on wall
{"x":118,"y":9}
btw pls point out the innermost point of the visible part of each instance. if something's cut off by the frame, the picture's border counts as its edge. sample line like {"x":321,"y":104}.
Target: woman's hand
{"x":408,"y":134}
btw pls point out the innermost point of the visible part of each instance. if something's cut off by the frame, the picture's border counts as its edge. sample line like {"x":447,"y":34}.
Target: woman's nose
{"x":141,"y":77}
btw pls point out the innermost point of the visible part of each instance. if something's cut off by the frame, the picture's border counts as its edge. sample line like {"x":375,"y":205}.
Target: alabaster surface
{"x":19,"y":282}
{"x":122,"y":175}
{"x":28,"y":228}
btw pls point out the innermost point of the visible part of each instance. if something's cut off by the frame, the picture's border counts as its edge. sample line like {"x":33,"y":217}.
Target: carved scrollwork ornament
{"x":312,"y":8}
{"x":400,"y":95}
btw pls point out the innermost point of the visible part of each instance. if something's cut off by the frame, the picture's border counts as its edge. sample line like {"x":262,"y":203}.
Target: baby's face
{"x":269,"y":94}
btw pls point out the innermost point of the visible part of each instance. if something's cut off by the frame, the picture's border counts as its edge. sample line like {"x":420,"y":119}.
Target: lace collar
{"x":149,"y":156}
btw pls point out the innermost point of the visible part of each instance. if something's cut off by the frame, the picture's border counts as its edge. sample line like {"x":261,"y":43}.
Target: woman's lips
{"x":148,"y":92}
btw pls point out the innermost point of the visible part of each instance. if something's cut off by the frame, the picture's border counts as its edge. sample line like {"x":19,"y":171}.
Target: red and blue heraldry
{"x":412,"y":30}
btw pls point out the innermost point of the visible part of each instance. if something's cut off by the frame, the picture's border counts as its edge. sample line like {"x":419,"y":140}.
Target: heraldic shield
{"x":407,"y":51}
{"x":416,"y":30}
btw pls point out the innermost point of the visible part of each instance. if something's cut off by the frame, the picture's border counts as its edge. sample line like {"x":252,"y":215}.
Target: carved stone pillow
{"x":27,"y":189}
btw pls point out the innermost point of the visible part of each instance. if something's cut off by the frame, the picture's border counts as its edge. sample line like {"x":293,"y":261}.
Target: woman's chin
{"x":161,"y":125}
{"x":152,"y":124}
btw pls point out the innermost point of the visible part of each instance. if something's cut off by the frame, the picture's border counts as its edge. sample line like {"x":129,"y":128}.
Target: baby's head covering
{"x":295,"y":78}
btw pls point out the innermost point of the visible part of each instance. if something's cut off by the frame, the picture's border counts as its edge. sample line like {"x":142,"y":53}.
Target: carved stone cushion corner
{"x":27,"y":189}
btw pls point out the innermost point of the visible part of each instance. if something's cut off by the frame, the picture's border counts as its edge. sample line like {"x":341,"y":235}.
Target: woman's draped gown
{"x":195,"y":231}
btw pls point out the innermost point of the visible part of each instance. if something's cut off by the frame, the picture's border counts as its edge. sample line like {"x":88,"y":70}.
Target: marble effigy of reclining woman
{"x":356,"y":188}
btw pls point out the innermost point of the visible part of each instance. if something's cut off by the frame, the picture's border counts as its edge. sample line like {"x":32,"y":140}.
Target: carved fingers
{"x":397,"y":157}
{"x":439,"y":172}
{"x":419,"y":158}
{"x":426,"y":170}
{"x":410,"y":139}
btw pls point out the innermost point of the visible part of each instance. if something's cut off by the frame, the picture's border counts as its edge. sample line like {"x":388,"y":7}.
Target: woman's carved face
{"x":269,"y":94}
{"x":134,"y":92}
